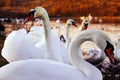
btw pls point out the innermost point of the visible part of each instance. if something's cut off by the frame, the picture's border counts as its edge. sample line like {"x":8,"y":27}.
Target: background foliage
{"x":58,"y":8}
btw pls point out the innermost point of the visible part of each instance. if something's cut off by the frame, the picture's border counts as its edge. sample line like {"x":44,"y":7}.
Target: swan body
{"x":38,"y":69}
{"x":18,"y":47}
{"x":36,"y":34}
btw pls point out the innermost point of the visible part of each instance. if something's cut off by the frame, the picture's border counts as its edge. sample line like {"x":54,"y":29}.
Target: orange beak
{"x":73,"y":23}
{"x":110,"y":54}
{"x":30,"y":17}
{"x":85,"y":26}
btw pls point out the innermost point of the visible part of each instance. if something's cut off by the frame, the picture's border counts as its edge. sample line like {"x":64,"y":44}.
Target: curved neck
{"x":67,"y":35}
{"x":86,"y":68}
{"x":59,"y":29}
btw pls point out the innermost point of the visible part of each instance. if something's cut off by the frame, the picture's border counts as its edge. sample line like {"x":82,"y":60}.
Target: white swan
{"x":94,"y":55}
{"x":41,"y":69}
{"x":84,"y":24}
{"x":16,"y":43}
{"x":103,"y":40}
{"x":67,"y":38}
{"x":55,"y":47}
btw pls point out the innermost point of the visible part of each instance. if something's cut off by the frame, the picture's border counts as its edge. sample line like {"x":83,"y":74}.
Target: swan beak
{"x":73,"y":23}
{"x":85,"y":26}
{"x":110,"y":54}
{"x":30,"y":15}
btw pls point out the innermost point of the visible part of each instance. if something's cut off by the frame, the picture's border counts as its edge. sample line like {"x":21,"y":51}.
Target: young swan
{"x":42,"y":69}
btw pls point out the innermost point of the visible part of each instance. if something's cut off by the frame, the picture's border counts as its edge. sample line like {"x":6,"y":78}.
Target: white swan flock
{"x":54,"y":67}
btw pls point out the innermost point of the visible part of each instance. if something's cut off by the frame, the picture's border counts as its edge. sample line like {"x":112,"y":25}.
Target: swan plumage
{"x":36,"y":34}
{"x":56,"y":51}
{"x":18,"y":47}
{"x":117,"y":50}
{"x":35,"y":69}
{"x":52,"y":70}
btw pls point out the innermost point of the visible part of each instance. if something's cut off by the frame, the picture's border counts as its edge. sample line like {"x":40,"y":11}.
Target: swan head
{"x":30,"y":15}
{"x":109,"y":51}
{"x":85,"y":24}
{"x":71,"y":22}
{"x":37,"y":12}
{"x":62,"y":38}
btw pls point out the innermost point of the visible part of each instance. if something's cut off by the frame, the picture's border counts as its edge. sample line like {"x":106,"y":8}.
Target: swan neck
{"x":75,"y":58}
{"x":50,"y":53}
{"x":67,"y":35}
{"x":75,"y":55}
{"x":48,"y":37}
{"x":59,"y":29}
{"x":46,"y":26}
